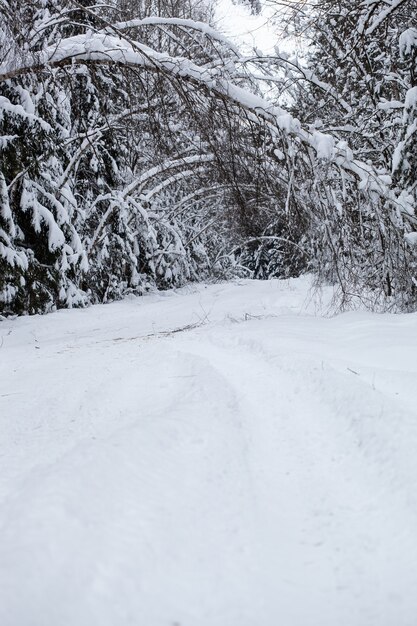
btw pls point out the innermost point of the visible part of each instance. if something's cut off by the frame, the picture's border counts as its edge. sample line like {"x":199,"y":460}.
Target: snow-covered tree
{"x":354,"y":81}
{"x":138,"y":148}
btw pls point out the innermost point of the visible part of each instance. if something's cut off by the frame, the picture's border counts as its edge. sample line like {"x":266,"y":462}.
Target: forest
{"x":208,"y":312}
{"x":142,"y":149}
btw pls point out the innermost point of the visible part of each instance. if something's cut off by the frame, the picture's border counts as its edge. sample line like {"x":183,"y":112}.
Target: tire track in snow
{"x":236,"y":475}
{"x":323,"y":486}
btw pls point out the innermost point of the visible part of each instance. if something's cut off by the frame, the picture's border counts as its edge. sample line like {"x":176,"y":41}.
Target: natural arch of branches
{"x":138,"y":149}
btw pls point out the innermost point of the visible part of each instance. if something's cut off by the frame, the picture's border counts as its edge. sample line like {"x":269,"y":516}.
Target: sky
{"x":251,"y":31}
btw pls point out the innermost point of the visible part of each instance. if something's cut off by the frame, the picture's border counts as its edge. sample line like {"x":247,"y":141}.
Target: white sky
{"x":236,"y":21}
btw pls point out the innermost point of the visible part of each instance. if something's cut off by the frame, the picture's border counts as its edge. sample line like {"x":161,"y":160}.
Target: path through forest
{"x":217,"y":456}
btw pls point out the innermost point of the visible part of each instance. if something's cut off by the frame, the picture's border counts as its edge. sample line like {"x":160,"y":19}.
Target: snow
{"x":204,"y":28}
{"x":6,"y":107}
{"x":216,"y":455}
{"x":170,"y":164}
{"x":411,"y":238}
{"x":324,"y":145}
{"x":408,"y":41}
{"x":379,"y":18}
{"x":411,"y":98}
{"x":100,"y":47}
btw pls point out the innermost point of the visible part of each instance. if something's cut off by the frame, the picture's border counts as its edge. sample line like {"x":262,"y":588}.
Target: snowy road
{"x":256,"y":467}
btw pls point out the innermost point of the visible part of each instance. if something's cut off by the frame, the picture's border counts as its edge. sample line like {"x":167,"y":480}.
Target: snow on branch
{"x":202,"y":27}
{"x":139,"y":184}
{"x":305,"y":73}
{"x":389,"y":7}
{"x":408,"y":41}
{"x":103,"y":48}
{"x":17,"y":110}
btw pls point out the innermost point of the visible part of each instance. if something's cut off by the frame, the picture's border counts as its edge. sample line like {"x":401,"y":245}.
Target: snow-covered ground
{"x":219,"y":456}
